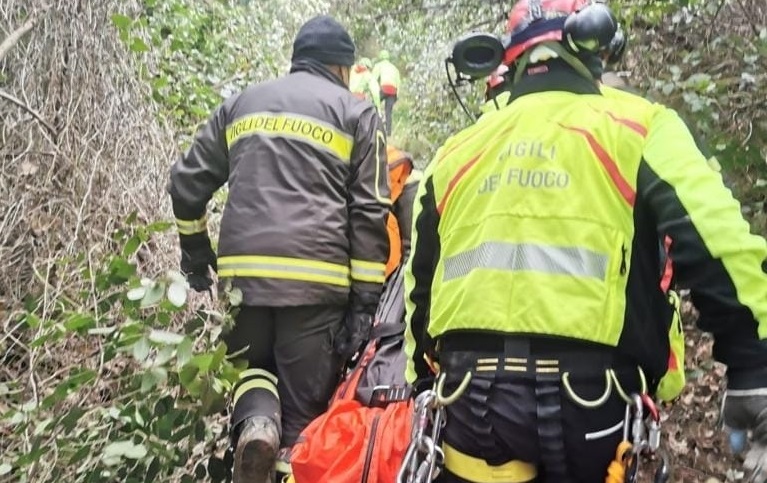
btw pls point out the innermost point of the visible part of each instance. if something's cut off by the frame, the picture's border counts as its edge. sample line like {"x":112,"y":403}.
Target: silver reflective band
{"x":515,"y":257}
{"x":367,"y":271}
{"x":283,"y":268}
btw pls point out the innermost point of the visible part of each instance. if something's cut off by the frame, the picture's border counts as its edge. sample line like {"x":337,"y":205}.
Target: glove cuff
{"x":743,"y":379}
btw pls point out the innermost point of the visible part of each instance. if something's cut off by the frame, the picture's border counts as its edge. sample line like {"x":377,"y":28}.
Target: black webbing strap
{"x":381,"y":331}
{"x":383,"y":395}
{"x":550,"y":433}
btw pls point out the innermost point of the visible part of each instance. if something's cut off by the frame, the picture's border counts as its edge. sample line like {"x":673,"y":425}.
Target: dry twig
{"x":35,"y":114}
{"x":17,"y":34}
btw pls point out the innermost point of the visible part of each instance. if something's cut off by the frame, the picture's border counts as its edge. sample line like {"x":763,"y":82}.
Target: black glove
{"x":196,"y":256}
{"x":357,"y":324}
{"x":747,"y":410}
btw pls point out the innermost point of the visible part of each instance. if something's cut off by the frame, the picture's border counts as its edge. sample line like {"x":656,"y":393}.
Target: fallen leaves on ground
{"x":692,"y":431}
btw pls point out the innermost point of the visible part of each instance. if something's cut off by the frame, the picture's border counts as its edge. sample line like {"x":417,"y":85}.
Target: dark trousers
{"x":507,"y":414}
{"x":388,"y":102}
{"x":292,"y":346}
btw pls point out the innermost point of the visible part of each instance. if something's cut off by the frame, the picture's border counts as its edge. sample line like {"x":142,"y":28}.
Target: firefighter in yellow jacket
{"x":388,"y":77}
{"x":303,"y":236}
{"x":534,"y":265}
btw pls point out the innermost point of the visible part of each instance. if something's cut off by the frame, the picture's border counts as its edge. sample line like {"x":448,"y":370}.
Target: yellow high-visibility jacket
{"x":544,"y":219}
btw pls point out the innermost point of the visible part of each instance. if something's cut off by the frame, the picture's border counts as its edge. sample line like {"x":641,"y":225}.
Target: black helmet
{"x":616,"y":48}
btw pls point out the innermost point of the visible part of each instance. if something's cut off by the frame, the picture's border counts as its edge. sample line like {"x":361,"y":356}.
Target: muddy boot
{"x":256,"y":451}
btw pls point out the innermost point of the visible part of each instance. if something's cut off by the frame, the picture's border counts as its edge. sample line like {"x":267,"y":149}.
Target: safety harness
{"x":424,"y":457}
{"x":426,"y":454}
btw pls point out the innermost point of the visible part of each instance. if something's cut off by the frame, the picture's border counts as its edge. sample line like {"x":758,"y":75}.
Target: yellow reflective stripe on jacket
{"x":525,"y":203}
{"x":478,"y":471}
{"x":368,"y":271}
{"x":284,"y":268}
{"x":301,"y":128}
{"x":191,"y":227}
{"x":573,"y":261}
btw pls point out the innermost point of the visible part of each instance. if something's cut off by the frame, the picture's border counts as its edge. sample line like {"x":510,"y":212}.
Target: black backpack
{"x":383,"y":374}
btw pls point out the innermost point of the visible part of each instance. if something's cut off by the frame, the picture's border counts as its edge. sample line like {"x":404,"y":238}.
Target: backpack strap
{"x":378,"y":395}
{"x":382,"y":331}
{"x":383,"y":395}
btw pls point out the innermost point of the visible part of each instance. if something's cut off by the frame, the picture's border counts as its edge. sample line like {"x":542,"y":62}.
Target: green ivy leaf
{"x":141,"y":349}
{"x":153,"y":295}
{"x":203,"y":362}
{"x":79,"y":321}
{"x":187,"y":375}
{"x":218,"y":356}
{"x":164,"y":355}
{"x":152,"y":470}
{"x":235,"y":296}
{"x":32,"y":320}
{"x":184,"y":352}
{"x":152,"y":378}
{"x":102,"y":330}
{"x":68,"y":386}
{"x":135,"y":294}
{"x":131,"y":246}
{"x":126,"y":449}
{"x":122,"y":22}
{"x":177,"y":293}
{"x":72,"y":417}
{"x":159,"y":226}
{"x":79,"y":455}
{"x":138,"y":45}
{"x":120,"y":270}
{"x":5,"y":468}
{"x":165,"y":337}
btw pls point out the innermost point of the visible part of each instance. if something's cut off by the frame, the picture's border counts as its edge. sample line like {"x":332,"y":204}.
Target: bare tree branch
{"x":16,"y":35}
{"x":18,"y":102}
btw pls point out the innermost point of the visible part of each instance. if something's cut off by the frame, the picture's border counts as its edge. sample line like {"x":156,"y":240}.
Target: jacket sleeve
{"x":369,"y":205}
{"x":374,"y":90}
{"x":403,"y":210}
{"x":713,"y":251}
{"x":419,"y":273}
{"x":197,"y":174}
{"x":613,"y":80}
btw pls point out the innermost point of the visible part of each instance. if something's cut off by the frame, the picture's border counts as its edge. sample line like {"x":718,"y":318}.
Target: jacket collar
{"x":316,"y":68}
{"x":555,"y":75}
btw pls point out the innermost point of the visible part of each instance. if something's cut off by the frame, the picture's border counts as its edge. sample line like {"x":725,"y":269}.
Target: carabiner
{"x":637,"y":425}
{"x":663,"y":473}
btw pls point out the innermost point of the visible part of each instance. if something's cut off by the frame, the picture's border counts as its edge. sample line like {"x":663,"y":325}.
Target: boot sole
{"x":258,"y":466}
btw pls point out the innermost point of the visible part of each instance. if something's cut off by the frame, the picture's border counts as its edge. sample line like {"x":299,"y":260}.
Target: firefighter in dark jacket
{"x":534,"y":265}
{"x":303,"y":236}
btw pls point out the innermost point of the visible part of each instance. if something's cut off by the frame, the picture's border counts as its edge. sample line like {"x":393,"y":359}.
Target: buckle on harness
{"x":383,"y":395}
